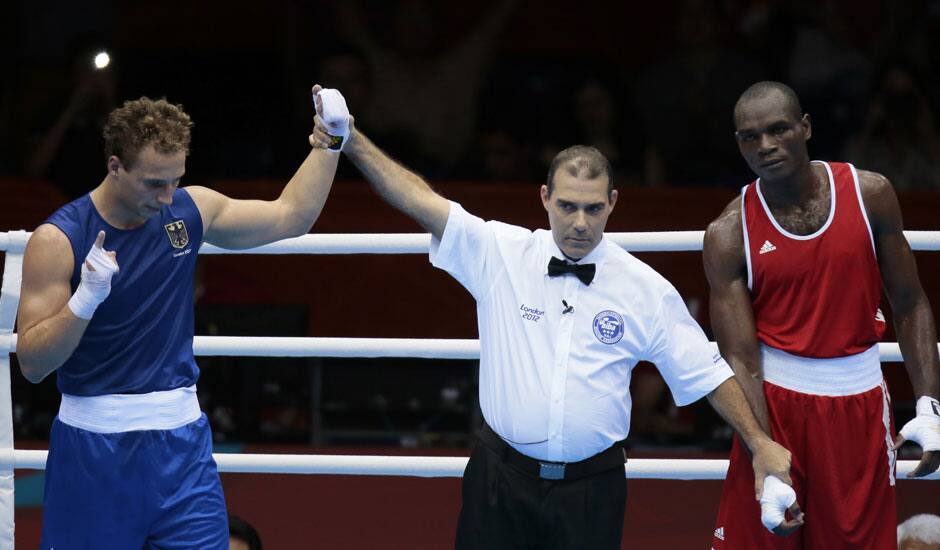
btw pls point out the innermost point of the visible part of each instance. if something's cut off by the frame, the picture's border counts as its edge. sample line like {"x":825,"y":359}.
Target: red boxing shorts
{"x":834,"y":416}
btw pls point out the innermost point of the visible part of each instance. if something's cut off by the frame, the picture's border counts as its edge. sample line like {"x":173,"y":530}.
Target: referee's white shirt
{"x":554,"y":385}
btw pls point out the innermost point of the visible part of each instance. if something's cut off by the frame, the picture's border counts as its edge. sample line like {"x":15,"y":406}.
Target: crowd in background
{"x":492,"y":93}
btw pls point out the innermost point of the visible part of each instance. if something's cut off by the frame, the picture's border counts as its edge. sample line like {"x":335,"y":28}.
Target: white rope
{"x":417,"y":243}
{"x":338,"y":243}
{"x":13,"y":241}
{"x":424,"y":348}
{"x":430,"y":466}
{"x":923,"y":240}
{"x":336,"y":347}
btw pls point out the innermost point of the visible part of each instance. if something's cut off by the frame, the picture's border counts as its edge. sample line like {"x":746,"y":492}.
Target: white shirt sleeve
{"x":680,"y":350}
{"x":464,"y":249}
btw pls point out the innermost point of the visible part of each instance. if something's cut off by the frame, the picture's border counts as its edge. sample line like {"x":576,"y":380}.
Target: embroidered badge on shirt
{"x":608,"y":326}
{"x":176,"y":231}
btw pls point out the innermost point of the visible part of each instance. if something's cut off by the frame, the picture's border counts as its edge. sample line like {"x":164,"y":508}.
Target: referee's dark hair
{"x":581,"y":161}
{"x":241,"y":529}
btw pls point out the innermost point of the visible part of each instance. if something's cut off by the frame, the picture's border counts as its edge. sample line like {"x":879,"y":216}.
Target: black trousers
{"x":504,"y":508}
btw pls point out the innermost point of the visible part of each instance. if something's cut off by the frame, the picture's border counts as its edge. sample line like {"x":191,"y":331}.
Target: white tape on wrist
{"x":95,"y":284}
{"x":928,"y":405}
{"x":335,"y":114}
{"x":774,"y":501}
{"x":924,"y":429}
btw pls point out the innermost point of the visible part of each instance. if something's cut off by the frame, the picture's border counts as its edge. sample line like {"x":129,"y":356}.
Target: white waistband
{"x":159,"y":410}
{"x":848,"y":375}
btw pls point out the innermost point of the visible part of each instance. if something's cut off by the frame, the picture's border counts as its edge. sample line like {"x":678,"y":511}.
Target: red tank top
{"x":814,"y":295}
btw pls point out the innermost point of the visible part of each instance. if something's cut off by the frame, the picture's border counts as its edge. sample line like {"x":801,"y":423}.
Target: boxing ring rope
{"x":428,"y":466}
{"x":13,"y":244}
{"x":421,"y":348}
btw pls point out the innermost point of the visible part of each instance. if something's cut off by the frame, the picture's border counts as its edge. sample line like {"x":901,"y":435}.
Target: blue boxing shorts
{"x":135,"y":489}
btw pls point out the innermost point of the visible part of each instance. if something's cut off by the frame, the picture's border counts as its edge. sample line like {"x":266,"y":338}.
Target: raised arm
{"x":233,"y":223}
{"x":49,"y":324}
{"x":399,"y":186}
{"x":732,"y":317}
{"x":913,"y":319}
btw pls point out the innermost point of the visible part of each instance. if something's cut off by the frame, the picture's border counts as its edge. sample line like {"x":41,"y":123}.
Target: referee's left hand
{"x":769,"y":458}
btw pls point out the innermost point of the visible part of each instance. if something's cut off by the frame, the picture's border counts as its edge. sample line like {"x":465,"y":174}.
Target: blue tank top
{"x":140,"y":338}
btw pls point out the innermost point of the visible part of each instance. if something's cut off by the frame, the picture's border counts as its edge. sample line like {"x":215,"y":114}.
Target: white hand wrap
{"x":776,"y":498}
{"x":336,"y":116}
{"x":924,"y":429}
{"x":95,"y":285}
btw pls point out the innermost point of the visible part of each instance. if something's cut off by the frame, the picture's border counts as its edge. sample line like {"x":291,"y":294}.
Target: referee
{"x":564,"y":316}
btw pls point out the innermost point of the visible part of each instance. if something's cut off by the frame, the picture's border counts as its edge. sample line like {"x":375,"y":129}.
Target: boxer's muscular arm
{"x":732,"y":317}
{"x":47,"y":330}
{"x":913,"y":318}
{"x":233,"y":223}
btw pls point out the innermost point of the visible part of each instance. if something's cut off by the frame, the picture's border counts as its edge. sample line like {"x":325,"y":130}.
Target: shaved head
{"x":778,"y":92}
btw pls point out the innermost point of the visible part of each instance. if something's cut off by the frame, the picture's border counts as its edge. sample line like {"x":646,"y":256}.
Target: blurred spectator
{"x":428,"y":91}
{"x":767,"y":30}
{"x":830,"y":75}
{"x":595,"y":113}
{"x":501,"y":156}
{"x":686,"y":100}
{"x":904,"y":31}
{"x":920,"y":532}
{"x":67,"y":152}
{"x":242,"y":536}
{"x":7,"y":164}
{"x":600,"y":121}
{"x":899,"y":137}
{"x":347,"y":71}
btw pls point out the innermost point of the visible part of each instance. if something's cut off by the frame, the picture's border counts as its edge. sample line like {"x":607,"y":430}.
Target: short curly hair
{"x":142,"y":122}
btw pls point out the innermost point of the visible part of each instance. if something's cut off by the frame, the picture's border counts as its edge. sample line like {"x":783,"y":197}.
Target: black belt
{"x":613,"y":457}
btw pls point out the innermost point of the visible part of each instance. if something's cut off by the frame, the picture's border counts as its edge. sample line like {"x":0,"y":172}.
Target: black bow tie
{"x":585,"y":272}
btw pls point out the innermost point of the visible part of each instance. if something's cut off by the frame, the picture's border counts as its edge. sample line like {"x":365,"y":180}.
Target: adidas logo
{"x":720,"y":532}
{"x":879,"y":316}
{"x":767,"y":247}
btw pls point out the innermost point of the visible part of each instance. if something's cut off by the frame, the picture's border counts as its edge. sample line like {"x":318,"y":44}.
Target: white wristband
{"x":83,"y":303}
{"x":95,"y":284}
{"x":928,"y":405}
{"x":924,"y":428}
{"x":774,"y":502}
